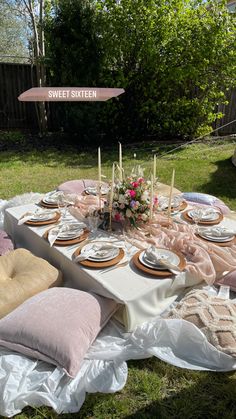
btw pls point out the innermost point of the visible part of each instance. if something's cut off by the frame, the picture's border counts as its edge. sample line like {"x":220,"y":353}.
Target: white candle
{"x":171,"y":191}
{"x":151,"y":198}
{"x":99,"y":175}
{"x":120,"y":162}
{"x":154,"y":167}
{"x":112,"y":186}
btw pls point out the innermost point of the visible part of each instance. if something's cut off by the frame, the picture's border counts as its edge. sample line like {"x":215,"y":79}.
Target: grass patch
{"x":203,"y":167}
{"x":154,"y":389}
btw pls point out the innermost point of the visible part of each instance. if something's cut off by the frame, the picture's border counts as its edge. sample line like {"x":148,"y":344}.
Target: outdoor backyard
{"x":158,"y":115}
{"x":154,"y":389}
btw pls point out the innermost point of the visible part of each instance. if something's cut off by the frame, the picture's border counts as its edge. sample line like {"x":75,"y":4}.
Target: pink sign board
{"x":69,"y":94}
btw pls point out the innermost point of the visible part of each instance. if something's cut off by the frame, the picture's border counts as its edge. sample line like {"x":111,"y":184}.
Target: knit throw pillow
{"x":214,"y":316}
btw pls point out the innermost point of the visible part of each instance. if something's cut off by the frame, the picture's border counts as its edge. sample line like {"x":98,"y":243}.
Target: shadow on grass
{"x":206,"y":395}
{"x":69,"y":150}
{"x":181,"y":394}
{"x":223,"y":181}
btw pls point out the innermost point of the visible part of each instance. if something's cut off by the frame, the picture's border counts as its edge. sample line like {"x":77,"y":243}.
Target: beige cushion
{"x":216,"y":317}
{"x":23,"y":275}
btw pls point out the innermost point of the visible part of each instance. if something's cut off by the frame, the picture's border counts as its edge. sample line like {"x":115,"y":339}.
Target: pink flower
{"x":140,"y":180}
{"x":117,"y":217}
{"x":132,"y":193}
{"x":134,"y":184}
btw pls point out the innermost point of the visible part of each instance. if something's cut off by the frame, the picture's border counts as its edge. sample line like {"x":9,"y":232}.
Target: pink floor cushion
{"x":205,"y":199}
{"x":57,"y":326}
{"x":78,"y":186}
{"x":5,"y":243}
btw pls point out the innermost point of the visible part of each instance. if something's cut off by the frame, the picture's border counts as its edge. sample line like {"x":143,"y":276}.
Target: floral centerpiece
{"x":132,"y":200}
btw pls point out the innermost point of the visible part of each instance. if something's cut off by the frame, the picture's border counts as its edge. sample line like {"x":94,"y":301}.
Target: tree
{"x":175,"y":59}
{"x":13,"y":37}
{"x":74,"y":57}
{"x":35,"y":13}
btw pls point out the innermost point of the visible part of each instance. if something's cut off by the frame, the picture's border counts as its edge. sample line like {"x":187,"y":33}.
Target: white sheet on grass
{"x":24,"y":381}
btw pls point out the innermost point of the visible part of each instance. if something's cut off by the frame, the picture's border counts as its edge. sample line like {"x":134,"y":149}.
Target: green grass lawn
{"x":154,"y":389}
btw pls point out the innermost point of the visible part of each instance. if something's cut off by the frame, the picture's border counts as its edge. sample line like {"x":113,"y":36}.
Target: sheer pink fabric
{"x":204,"y":259}
{"x":85,"y":204}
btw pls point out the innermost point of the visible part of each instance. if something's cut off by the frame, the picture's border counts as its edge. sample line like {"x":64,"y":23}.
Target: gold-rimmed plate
{"x":154,"y":271}
{"x":98,"y":264}
{"x":45,"y":222}
{"x":204,"y":222}
{"x":69,"y":242}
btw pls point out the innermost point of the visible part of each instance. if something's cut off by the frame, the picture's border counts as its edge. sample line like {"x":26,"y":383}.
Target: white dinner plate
{"x":69,"y":235}
{"x":214,"y":238}
{"x":164,"y":254}
{"x":43,"y":217}
{"x":214,"y":215}
{"x":94,"y":190}
{"x":100,"y":256}
{"x":52,"y":198}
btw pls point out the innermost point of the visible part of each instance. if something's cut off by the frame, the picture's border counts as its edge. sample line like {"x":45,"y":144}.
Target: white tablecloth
{"x":142,"y":297}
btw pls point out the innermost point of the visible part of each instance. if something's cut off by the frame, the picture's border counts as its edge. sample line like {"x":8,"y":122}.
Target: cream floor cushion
{"x":23,"y":275}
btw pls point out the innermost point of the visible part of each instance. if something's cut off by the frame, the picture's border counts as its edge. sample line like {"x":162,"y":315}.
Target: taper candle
{"x":151,"y":199}
{"x":171,"y":191}
{"x":154,"y":167}
{"x":112,"y":186}
{"x":120,"y":162}
{"x":99,"y":175}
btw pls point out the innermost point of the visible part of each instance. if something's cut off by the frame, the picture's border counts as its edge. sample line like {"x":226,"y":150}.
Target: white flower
{"x":145,"y":196}
{"x":121,"y":199}
{"x":128,"y":213}
{"x":144,"y":217}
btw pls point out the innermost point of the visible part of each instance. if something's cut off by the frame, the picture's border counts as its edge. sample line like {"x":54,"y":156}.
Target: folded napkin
{"x":217,"y":232}
{"x":62,"y":228}
{"x":54,"y":195}
{"x":94,"y":250}
{"x":39,"y":213}
{"x":209,"y":211}
{"x":152,"y":255}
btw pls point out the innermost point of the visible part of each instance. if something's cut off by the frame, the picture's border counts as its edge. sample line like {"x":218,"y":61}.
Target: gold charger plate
{"x":154,"y":272}
{"x":45,"y":205}
{"x":98,"y":265}
{"x":181,"y":207}
{"x":206,"y":223}
{"x":222,"y":244}
{"x":70,"y":241}
{"x":45,"y":222}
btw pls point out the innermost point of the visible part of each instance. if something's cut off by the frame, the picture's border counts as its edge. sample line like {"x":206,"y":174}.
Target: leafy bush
{"x":175,"y":60}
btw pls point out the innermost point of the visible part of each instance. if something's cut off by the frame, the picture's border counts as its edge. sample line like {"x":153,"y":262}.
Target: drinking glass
{"x":61,"y":204}
{"x":197,"y":214}
{"x":127,"y":232}
{"x":94,"y":221}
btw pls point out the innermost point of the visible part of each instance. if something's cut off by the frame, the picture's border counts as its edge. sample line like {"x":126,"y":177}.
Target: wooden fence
{"x":16,"y":78}
{"x":229,"y":112}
